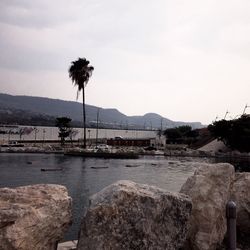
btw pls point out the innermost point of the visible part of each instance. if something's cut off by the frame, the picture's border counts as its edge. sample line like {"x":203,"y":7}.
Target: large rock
{"x":209,"y":189}
{"x":241,"y":196}
{"x":126,"y":215}
{"x":33,"y":217}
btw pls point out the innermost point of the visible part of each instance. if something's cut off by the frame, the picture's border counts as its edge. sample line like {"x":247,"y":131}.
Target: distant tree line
{"x":234,"y":133}
{"x":181,"y":135}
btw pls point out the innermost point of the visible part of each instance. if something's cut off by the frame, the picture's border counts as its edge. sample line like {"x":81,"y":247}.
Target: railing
{"x":231,"y":225}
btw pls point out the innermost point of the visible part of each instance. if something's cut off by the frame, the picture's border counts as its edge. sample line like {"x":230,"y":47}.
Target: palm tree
{"x":80,"y":71}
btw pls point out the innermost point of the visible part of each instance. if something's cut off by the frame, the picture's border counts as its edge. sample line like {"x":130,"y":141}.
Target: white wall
{"x":51,"y":133}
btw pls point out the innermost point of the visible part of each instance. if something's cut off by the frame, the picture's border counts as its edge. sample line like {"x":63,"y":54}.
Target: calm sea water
{"x":82,"y":180}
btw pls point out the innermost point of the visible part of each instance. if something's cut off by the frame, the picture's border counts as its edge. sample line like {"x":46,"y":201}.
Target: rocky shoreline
{"x":128,"y":215}
{"x":140,"y":151}
{"x":36,"y":150}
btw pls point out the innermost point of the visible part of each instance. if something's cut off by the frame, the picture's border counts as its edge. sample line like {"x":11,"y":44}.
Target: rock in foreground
{"x":241,"y":196}
{"x":209,"y":189}
{"x":126,"y":215}
{"x":33,"y":217}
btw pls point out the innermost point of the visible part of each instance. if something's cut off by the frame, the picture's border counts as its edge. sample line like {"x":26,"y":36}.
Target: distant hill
{"x":46,"y":108}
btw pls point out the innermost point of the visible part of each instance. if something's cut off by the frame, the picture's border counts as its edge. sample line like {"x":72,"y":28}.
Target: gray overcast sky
{"x":186,"y":60}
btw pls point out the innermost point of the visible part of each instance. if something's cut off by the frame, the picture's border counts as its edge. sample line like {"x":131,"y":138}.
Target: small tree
{"x":172,"y":135}
{"x":177,"y":134}
{"x":63,"y":124}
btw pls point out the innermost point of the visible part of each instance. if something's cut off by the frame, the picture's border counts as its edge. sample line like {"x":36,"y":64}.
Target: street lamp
{"x":44,"y":131}
{"x":97,"y":126}
{"x":245,"y":109}
{"x":35,"y":130}
{"x":226,"y":114}
{"x":89,"y":136}
{"x":9,"y":132}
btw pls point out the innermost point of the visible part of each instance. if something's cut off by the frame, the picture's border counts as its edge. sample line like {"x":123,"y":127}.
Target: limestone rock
{"x":126,"y":215}
{"x":209,"y":189}
{"x":33,"y":217}
{"x":241,"y":196}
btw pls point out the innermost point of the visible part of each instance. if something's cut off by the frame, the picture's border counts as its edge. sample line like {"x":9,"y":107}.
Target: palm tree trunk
{"x":84,"y":117}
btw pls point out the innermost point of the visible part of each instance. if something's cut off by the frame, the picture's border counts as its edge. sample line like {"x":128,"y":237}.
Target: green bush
{"x":234,"y":133}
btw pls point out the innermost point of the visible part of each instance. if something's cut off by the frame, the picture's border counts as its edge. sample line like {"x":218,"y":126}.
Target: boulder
{"x":241,"y":196}
{"x":209,"y":189}
{"x":33,"y":217}
{"x":126,"y":215}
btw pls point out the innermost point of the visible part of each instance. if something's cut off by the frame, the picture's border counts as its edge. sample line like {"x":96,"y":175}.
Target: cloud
{"x":167,"y":52}
{"x":38,"y":14}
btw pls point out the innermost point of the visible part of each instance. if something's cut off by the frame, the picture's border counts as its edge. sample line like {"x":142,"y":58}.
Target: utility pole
{"x":44,"y":131}
{"x":160,"y":134}
{"x":97,"y":126}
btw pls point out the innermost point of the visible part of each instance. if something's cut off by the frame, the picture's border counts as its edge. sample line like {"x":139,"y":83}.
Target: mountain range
{"x":29,"y":109}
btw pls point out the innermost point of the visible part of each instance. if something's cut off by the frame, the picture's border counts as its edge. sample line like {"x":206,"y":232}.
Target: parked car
{"x":103,"y":146}
{"x":118,"y":138}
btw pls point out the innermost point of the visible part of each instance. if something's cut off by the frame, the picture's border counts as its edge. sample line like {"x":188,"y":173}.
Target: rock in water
{"x":241,"y":196}
{"x":209,"y":189}
{"x":126,"y":215}
{"x":33,"y":217}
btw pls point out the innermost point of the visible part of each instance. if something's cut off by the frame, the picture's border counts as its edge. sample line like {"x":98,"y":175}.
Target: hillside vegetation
{"x":48,"y":109}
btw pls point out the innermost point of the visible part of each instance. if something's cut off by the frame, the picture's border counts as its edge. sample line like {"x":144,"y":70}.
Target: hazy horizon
{"x":184,"y":60}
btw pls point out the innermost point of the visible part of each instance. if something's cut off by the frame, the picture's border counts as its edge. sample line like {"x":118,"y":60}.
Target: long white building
{"x":17,"y":133}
